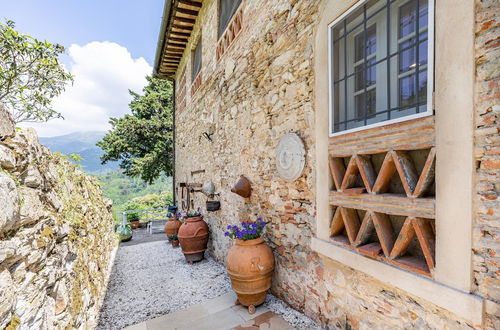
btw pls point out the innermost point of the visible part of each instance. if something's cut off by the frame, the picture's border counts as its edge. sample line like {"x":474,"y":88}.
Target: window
{"x":227,"y":8}
{"x":196,"y":56}
{"x":380,"y":64}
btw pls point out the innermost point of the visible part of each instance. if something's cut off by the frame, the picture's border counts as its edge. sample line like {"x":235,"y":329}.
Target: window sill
{"x":465,"y":305}
{"x":429,"y":112}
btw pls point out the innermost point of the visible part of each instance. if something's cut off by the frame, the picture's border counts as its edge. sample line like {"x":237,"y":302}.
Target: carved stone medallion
{"x":290,"y":157}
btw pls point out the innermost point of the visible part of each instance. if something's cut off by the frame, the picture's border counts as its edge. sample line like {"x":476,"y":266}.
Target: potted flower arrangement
{"x":250,"y":263}
{"x":193,"y":237}
{"x":174,"y":240}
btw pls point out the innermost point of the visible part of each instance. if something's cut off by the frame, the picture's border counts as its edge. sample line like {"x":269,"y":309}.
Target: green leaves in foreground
{"x":143,"y":141}
{"x":30,"y":75}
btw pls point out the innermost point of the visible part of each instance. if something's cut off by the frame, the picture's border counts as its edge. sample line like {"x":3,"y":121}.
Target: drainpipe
{"x":173,"y":134}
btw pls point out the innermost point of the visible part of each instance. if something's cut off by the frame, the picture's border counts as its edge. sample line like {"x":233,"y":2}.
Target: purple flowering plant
{"x":247,"y":231}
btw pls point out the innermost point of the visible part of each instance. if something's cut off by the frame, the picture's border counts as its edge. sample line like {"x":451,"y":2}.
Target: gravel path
{"x":150,"y":279}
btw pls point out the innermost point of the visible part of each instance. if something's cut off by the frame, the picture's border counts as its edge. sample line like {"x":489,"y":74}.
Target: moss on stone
{"x":13,"y":323}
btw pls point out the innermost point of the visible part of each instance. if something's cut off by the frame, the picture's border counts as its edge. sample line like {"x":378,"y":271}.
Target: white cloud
{"x":103,"y":74}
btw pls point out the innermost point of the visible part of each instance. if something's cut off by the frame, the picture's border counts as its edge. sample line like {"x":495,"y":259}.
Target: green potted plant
{"x":133,"y":219}
{"x":174,"y":240}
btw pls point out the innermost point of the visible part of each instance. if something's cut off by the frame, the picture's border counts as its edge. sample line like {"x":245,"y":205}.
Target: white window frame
{"x":430,"y":74}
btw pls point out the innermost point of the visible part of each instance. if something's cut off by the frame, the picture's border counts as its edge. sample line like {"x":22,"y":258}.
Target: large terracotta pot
{"x":172,"y":227}
{"x":193,"y":237}
{"x":250,"y":266}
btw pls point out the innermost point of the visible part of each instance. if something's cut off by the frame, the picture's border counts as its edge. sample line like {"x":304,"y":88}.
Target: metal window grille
{"x":379,"y":63}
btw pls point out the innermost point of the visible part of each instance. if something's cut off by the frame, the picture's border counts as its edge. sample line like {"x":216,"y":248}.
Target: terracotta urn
{"x":134,"y":224}
{"x":193,"y":237}
{"x":172,"y":226}
{"x":242,"y":187}
{"x":250,"y":266}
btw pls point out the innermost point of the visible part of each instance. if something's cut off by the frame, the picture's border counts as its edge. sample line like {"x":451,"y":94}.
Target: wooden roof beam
{"x":191,"y":3}
{"x":181,"y":27}
{"x":178,"y":39}
{"x":184,"y":20}
{"x":187,"y":11}
{"x":181,"y":34}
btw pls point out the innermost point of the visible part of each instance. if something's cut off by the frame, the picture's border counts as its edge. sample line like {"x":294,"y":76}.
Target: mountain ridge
{"x":84,"y":144}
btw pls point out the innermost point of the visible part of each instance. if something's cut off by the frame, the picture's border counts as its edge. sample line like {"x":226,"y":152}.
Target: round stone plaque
{"x":290,"y":157}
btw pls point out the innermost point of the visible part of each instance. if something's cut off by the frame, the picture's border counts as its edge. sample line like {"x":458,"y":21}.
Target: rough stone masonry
{"x":261,"y":89}
{"x":56,"y":237}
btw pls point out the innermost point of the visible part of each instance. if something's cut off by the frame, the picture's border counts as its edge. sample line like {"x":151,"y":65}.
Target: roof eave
{"x":161,"y":38}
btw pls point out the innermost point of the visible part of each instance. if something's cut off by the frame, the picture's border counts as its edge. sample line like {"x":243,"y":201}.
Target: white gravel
{"x":152,"y":279}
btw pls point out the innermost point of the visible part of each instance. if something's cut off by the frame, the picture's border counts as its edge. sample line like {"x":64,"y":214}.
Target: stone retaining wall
{"x":56,"y":237}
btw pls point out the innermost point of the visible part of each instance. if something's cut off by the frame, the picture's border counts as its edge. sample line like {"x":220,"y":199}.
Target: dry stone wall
{"x":56,"y":237}
{"x":261,"y":89}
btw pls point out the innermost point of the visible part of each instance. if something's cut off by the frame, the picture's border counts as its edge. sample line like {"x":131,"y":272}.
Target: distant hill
{"x":84,"y":144}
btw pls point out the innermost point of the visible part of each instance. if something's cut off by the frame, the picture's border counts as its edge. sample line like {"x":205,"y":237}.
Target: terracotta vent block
{"x":374,"y":236}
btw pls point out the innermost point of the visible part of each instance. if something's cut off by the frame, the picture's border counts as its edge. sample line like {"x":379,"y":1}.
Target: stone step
{"x":219,"y":313}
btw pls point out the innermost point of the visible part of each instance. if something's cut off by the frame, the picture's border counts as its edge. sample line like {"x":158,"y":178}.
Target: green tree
{"x":30,"y":75}
{"x":143,"y":141}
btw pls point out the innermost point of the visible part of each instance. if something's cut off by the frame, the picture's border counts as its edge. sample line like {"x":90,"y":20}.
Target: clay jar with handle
{"x":172,"y":226}
{"x":250,"y":266}
{"x":193,"y":237}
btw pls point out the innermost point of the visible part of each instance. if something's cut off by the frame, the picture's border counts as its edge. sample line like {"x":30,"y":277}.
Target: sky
{"x":110,"y":48}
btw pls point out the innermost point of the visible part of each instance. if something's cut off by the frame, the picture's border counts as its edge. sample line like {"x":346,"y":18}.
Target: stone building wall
{"x":56,"y":237}
{"x":486,"y":230}
{"x":261,"y":89}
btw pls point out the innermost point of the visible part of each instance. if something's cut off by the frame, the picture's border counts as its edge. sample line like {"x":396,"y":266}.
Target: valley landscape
{"x":125,"y":192}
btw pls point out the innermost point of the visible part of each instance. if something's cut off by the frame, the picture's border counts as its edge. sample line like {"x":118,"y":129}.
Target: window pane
{"x":196,"y":61}
{"x":407,"y":18}
{"x":407,"y":56}
{"x":371,"y":40}
{"x":380,"y":63}
{"x":407,"y":91}
{"x":423,"y":14}
{"x":422,"y":49}
{"x":227,"y":8}
{"x":422,"y":87}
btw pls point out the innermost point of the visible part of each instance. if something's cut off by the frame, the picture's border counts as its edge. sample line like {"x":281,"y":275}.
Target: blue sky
{"x":133,"y":24}
{"x":110,"y":48}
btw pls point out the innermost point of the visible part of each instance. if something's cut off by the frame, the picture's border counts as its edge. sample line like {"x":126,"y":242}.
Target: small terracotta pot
{"x":175,"y":243}
{"x":242,"y":187}
{"x":193,"y":237}
{"x":134,"y":224}
{"x":250,"y":266}
{"x":172,"y":227}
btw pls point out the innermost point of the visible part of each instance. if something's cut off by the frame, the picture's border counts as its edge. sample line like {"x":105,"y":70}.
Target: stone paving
{"x":219,"y":313}
{"x":153,"y":287}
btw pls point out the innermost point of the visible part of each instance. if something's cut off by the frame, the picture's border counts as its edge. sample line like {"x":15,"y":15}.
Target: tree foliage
{"x":143,"y":141}
{"x":30,"y":75}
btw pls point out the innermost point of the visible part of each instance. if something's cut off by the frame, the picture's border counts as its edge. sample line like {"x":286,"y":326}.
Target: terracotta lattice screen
{"x":383,"y":197}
